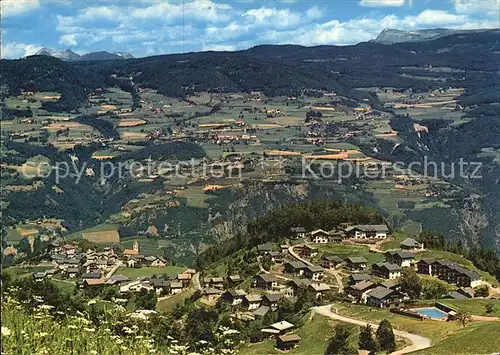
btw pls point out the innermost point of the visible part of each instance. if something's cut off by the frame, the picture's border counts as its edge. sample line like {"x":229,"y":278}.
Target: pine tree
{"x":366,"y":341}
{"x":339,"y":344}
{"x":385,"y":336}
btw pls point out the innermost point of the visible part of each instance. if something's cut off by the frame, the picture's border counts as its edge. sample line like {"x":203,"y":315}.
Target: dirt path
{"x":417,"y":342}
{"x":195,"y":281}
{"x":113,"y":270}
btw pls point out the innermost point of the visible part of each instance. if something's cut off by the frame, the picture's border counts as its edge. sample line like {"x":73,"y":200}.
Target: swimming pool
{"x":431,"y":312}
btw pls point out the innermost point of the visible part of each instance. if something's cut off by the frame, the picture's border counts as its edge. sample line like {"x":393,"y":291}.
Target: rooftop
{"x":357,"y":260}
{"x":283,"y":325}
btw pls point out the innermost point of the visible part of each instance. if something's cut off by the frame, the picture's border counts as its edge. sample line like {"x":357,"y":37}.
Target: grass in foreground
{"x":435,"y":330}
{"x":477,"y":338}
{"x":134,"y":273}
{"x":315,"y":335}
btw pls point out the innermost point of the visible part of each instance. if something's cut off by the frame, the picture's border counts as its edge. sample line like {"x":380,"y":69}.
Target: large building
{"x":367,"y":231}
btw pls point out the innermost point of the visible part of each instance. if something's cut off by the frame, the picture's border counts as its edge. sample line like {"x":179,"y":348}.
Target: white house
{"x":367,"y":231}
{"x":320,"y":236}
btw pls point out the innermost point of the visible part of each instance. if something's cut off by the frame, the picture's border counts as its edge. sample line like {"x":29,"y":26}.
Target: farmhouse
{"x":295,"y":284}
{"x":387,"y":270}
{"x":424,"y":266}
{"x":264,"y":249}
{"x":319,"y":288}
{"x":356,"y":263}
{"x":72,"y":272}
{"x":117,"y":280}
{"x":287,"y":341}
{"x":281,"y":327}
{"x":265,"y":281}
{"x":261,"y":311}
{"x":217,"y":282}
{"x":329,"y":262}
{"x":234,"y":297}
{"x":401,"y":258}
{"x":355,"y":278}
{"x":411,"y":244}
{"x":314,"y":273}
{"x":298,"y":232}
{"x":176,"y":287}
{"x":383,"y":297}
{"x":359,"y":290}
{"x":252,"y":302}
{"x":159,"y":284}
{"x":271,"y":300}
{"x":234,"y":279}
{"x":39,"y":276}
{"x":319,"y":236}
{"x":367,"y":231}
{"x":295,"y":267}
{"x":306,"y":251}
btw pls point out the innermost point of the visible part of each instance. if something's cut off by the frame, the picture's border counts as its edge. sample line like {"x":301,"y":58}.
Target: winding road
{"x":417,"y":342}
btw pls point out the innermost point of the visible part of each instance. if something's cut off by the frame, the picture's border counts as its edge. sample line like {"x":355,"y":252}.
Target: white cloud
{"x":314,"y":13}
{"x":272,"y":17}
{"x":17,"y":50}
{"x":382,"y":3}
{"x":490,"y":7}
{"x":435,"y":17}
{"x":365,"y":29}
{"x":17,"y":7}
{"x":68,"y":40}
{"x":203,"y":10}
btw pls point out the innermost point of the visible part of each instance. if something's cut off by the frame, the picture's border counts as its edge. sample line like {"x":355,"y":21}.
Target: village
{"x":301,"y":264}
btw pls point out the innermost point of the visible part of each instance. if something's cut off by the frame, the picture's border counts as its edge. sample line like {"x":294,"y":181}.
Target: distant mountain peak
{"x":71,"y":56}
{"x":124,"y":55}
{"x":45,"y":51}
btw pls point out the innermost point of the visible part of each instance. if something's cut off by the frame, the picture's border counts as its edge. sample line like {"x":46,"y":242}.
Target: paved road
{"x":333,"y":272}
{"x":417,"y":342}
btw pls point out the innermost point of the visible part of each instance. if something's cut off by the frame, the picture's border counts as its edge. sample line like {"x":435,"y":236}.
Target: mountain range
{"x":391,"y":36}
{"x":70,"y":56}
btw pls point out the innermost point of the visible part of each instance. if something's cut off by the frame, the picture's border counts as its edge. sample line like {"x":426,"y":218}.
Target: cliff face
{"x":189,"y":230}
{"x":391,"y":36}
{"x":474,"y":215}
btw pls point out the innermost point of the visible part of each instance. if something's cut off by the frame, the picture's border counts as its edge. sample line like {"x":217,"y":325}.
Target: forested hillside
{"x":275,"y":70}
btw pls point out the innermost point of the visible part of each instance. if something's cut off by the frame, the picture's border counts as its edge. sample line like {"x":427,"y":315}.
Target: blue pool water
{"x":431,"y":312}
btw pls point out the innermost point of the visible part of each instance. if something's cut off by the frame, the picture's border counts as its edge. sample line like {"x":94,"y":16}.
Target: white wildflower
{"x":5,"y":331}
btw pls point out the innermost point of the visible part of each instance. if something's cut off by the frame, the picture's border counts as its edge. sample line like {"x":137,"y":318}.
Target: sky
{"x":153,"y":27}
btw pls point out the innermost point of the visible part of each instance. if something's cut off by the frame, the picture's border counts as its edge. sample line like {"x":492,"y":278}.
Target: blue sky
{"x":149,"y":27}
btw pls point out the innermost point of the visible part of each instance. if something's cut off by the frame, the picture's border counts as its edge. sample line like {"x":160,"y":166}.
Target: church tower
{"x":136,"y":247}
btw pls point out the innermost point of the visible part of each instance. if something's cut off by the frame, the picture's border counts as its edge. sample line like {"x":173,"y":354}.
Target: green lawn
{"x":397,"y":238}
{"x":134,"y":273}
{"x":345,"y":250}
{"x":169,"y":303}
{"x":435,"y":330}
{"x":476,"y":306}
{"x":98,"y":228}
{"x":315,"y":335}
{"x":477,"y":338}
